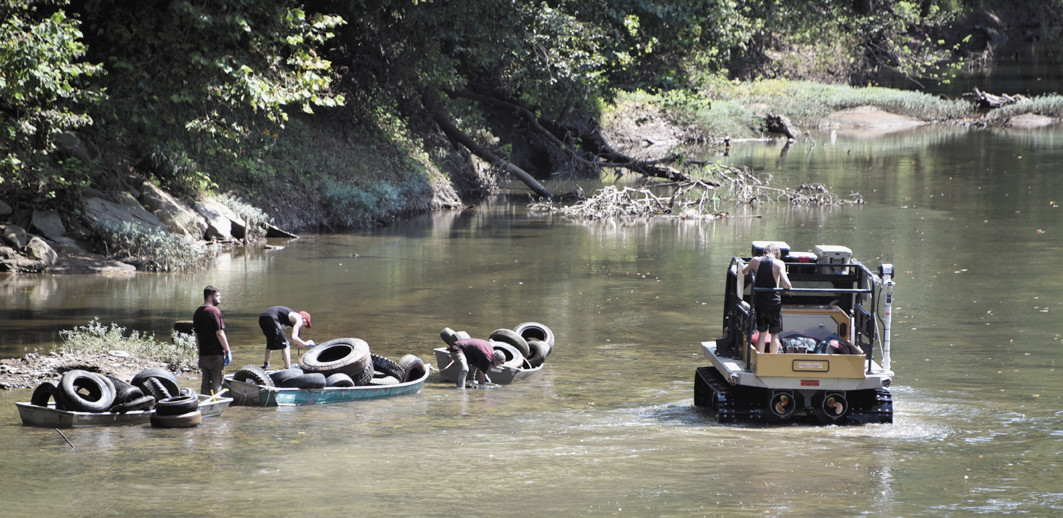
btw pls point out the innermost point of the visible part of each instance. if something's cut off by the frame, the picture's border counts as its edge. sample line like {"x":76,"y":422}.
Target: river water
{"x":970,"y":219}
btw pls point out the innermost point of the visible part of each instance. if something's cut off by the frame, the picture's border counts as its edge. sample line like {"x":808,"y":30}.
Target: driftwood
{"x":988,"y":100}
{"x":698,"y":198}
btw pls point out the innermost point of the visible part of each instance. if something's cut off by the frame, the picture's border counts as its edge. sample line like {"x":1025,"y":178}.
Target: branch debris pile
{"x":697,"y":198}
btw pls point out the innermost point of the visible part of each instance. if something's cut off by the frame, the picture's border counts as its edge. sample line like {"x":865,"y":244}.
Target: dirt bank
{"x":33,"y":369}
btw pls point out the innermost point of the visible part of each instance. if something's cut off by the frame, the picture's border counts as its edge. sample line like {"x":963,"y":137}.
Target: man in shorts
{"x":770,"y":273}
{"x":273,"y":321}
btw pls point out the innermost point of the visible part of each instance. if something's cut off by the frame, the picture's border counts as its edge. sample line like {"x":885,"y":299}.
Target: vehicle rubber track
{"x":713,"y":391}
{"x":870,"y":406}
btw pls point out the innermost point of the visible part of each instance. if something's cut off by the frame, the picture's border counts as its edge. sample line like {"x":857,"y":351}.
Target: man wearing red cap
{"x":273,"y":321}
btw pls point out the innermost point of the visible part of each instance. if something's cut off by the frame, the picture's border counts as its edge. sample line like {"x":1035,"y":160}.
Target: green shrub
{"x":151,"y":248}
{"x":1048,"y":105}
{"x":96,"y":338}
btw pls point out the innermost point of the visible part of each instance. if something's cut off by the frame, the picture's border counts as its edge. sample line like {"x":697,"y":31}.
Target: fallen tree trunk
{"x":561,"y":135}
{"x":460,"y":137}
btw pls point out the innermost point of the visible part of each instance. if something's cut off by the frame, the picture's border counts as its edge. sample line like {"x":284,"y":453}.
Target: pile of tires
{"x":343,"y":362}
{"x":526,"y":346}
{"x":84,"y":391}
{"x":348,"y":356}
{"x":181,"y":411}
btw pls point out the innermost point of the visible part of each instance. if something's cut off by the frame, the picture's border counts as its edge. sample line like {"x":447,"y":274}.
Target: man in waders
{"x":477,"y":352}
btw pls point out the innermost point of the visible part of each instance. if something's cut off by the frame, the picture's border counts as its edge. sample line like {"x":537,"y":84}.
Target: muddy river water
{"x":970,"y":219}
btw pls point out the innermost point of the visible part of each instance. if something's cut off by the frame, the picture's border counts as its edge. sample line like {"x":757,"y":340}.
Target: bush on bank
{"x":151,"y":248}
{"x":97,"y":338}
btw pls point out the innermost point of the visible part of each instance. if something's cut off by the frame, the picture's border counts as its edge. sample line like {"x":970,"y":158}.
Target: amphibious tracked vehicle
{"x":827,"y":369}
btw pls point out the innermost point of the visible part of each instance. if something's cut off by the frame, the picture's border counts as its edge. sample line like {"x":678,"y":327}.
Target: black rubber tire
{"x":386,"y":366}
{"x":98,"y":398}
{"x":43,"y":393}
{"x":535,"y":331}
{"x":539,"y":350}
{"x":255,"y":375}
{"x":363,"y":378}
{"x":386,"y":380}
{"x":284,"y":374}
{"x":188,"y":391}
{"x":166,"y":377}
{"x":177,"y":421}
{"x":339,"y":380}
{"x":177,"y":405}
{"x":448,"y":335}
{"x":347,"y":355}
{"x":108,"y":384}
{"x":513,"y":357}
{"x":157,"y":390}
{"x":510,"y":337}
{"x":140,"y":403}
{"x":413,"y":368}
{"x":126,"y":394}
{"x":310,"y":380}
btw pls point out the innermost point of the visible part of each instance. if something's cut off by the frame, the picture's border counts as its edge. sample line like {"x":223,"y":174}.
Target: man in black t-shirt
{"x":273,"y":321}
{"x":213,"y":345}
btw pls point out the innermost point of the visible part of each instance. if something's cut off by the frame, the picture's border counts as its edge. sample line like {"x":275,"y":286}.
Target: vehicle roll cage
{"x":739,"y":312}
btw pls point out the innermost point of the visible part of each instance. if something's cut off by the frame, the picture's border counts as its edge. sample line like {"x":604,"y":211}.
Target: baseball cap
{"x":306,"y":317}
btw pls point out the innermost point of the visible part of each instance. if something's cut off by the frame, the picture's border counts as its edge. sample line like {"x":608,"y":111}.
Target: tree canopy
{"x":173,"y":80}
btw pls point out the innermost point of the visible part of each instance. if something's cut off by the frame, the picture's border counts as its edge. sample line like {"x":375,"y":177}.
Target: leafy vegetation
{"x":97,"y":338}
{"x":150,"y":247}
{"x":203,"y":95}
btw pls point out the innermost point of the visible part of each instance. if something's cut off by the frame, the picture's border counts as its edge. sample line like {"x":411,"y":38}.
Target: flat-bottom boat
{"x":50,"y":417}
{"x":256,"y":395}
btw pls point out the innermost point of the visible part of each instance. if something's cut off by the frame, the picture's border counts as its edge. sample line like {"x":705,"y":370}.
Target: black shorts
{"x":769,"y":318}
{"x":275,"y":339}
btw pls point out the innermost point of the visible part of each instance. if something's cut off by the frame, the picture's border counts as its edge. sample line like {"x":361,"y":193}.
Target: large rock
{"x":127,"y":199}
{"x":175,"y":214}
{"x":39,"y":250}
{"x":47,"y":224}
{"x":74,"y":259}
{"x":16,"y":236}
{"x":238,"y":225}
{"x":5,"y":209}
{"x":218,"y":226}
{"x":98,"y":209}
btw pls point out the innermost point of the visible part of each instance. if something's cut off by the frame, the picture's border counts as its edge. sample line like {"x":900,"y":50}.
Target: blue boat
{"x":250,"y":394}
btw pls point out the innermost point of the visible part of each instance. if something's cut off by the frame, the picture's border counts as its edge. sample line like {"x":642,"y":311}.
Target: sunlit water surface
{"x":969,"y":218}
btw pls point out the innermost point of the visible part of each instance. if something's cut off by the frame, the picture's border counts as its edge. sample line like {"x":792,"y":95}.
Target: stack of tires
{"x":83,"y":391}
{"x":526,"y":346}
{"x":343,"y":362}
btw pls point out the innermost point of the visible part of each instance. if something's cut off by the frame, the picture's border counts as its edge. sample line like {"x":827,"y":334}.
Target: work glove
{"x":310,"y":343}
{"x":228,"y":358}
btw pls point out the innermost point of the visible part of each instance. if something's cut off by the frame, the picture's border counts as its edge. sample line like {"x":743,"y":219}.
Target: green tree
{"x":43,"y":88}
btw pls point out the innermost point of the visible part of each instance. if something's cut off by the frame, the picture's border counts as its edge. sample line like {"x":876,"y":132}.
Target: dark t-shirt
{"x":206,"y":322}
{"x":477,"y":352}
{"x":280,"y":314}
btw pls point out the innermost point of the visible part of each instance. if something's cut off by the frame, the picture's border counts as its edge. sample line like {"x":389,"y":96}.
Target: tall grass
{"x":738,"y":108}
{"x":96,"y":338}
{"x":151,"y":248}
